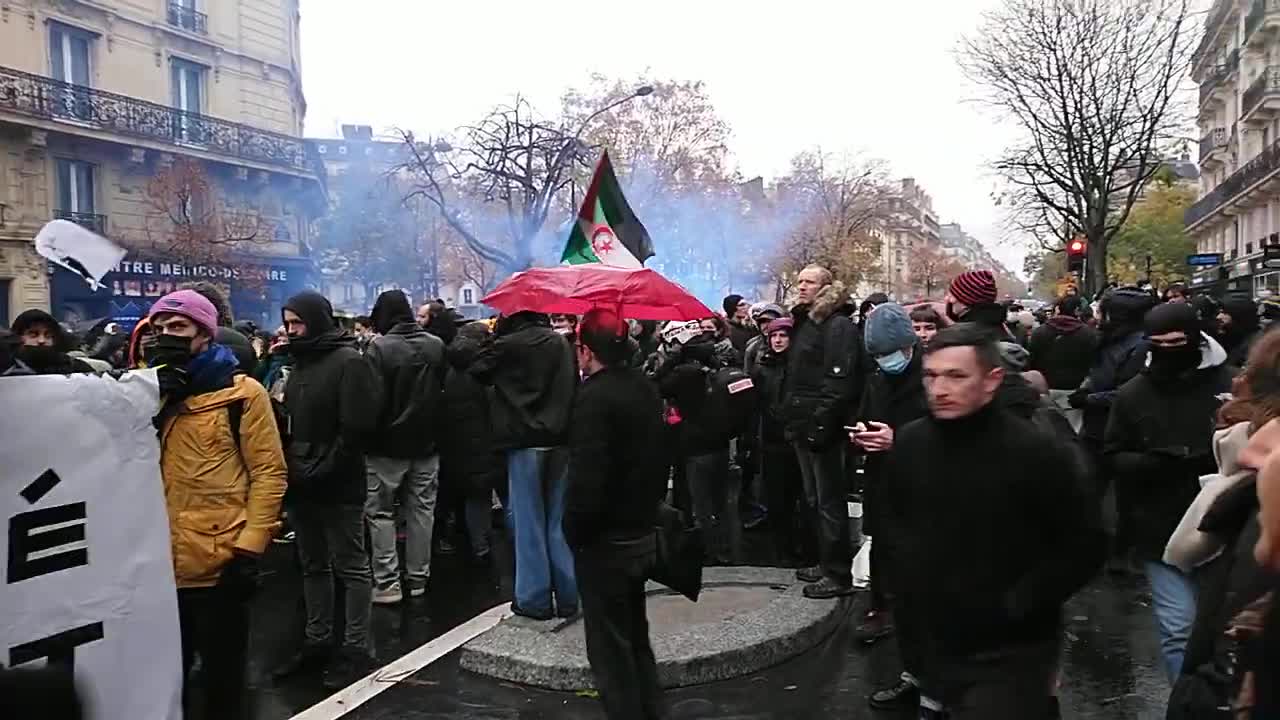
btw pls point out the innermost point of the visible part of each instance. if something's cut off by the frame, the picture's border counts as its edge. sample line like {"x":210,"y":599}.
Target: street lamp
{"x":572,"y":145}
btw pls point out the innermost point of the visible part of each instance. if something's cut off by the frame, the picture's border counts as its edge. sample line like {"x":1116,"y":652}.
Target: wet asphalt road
{"x":1111,"y":667}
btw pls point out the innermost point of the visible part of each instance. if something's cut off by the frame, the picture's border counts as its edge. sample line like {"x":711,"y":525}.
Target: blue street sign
{"x":1204,"y":259}
{"x":1271,"y":257}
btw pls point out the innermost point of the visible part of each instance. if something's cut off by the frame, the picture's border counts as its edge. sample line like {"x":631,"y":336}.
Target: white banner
{"x":89,"y":580}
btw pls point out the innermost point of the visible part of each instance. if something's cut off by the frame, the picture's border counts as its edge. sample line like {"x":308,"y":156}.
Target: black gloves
{"x":239,"y":578}
{"x":1079,"y":398}
{"x":173,"y":380}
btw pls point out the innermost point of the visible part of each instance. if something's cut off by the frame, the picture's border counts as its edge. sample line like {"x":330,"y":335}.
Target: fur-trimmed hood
{"x":830,"y":300}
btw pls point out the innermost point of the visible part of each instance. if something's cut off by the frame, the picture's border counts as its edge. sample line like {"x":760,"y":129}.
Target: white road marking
{"x":368,"y":687}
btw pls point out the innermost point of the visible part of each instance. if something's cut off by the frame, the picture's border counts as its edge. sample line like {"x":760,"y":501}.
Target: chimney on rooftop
{"x":357,"y":132}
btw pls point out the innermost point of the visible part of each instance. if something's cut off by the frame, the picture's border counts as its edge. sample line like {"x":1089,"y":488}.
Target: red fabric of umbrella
{"x":638,"y":294}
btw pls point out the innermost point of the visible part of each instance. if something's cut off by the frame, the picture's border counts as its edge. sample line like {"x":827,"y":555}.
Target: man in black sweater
{"x":616,"y":479}
{"x":995,"y":530}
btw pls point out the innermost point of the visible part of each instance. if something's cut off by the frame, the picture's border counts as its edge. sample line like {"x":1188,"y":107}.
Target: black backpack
{"x":732,"y":401}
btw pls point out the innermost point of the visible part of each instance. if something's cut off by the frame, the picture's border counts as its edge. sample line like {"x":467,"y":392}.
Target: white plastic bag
{"x":862,"y":564}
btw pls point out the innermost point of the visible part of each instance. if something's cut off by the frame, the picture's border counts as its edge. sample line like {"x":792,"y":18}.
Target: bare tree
{"x":512,"y":159}
{"x":931,"y":269}
{"x":841,"y":201}
{"x":673,"y":141}
{"x":186,"y":219}
{"x":1090,"y":86}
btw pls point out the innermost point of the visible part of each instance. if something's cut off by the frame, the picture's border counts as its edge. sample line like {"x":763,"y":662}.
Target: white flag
{"x":81,"y":251}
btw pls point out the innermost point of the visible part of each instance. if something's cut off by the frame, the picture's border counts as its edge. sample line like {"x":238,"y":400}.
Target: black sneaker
{"x":809,"y":574}
{"x":446,"y":547}
{"x":348,"y":665}
{"x":825,"y":589}
{"x":904,"y":694}
{"x":875,"y":626}
{"x":310,"y":659}
{"x":532,"y":615}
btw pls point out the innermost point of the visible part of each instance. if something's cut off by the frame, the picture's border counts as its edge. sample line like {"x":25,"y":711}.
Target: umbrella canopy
{"x":638,"y":294}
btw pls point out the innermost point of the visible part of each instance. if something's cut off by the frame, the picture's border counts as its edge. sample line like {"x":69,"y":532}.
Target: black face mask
{"x":1172,"y":362}
{"x":167,"y":350}
{"x":40,"y":357}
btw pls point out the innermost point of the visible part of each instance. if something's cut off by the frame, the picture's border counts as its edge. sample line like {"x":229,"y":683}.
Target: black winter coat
{"x":894,"y":400}
{"x":769,"y":373}
{"x":994,"y":530}
{"x":533,"y":375}
{"x":821,"y":370}
{"x":1158,"y":444}
{"x":410,"y":420}
{"x":1119,"y":360}
{"x":332,"y":402}
{"x":616,"y":474}
{"x":740,"y":335}
{"x":1062,"y":350}
{"x":468,"y":459}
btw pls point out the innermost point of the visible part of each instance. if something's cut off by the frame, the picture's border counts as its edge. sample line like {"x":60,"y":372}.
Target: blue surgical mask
{"x":893,"y":363}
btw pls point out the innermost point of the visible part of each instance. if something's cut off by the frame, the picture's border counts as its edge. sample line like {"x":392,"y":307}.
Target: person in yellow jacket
{"x":224,"y":478}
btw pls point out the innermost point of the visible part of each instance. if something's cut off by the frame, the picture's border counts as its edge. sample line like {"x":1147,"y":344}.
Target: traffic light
{"x":1076,"y":250}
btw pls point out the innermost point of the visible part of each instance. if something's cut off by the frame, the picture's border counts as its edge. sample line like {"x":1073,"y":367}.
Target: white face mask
{"x":893,"y":363}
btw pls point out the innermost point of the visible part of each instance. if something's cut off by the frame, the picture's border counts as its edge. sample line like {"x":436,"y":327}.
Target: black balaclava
{"x":390,"y":309}
{"x":1172,"y":363}
{"x":1244,"y":318}
{"x":317,"y":313}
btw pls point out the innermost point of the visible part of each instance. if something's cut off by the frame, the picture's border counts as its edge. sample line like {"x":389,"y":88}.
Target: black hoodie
{"x":468,"y":459}
{"x":532,"y":372}
{"x":410,"y":366}
{"x":47,"y":360}
{"x":1063,"y":350}
{"x":332,"y":403}
{"x":1244,"y":330}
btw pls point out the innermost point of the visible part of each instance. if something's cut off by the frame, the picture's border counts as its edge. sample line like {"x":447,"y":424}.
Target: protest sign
{"x":89,"y":582}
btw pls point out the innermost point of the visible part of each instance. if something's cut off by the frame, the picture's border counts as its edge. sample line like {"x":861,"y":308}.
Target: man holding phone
{"x":894,"y":396}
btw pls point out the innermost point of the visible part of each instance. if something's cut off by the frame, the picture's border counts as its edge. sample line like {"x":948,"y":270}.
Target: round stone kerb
{"x":747,"y":619}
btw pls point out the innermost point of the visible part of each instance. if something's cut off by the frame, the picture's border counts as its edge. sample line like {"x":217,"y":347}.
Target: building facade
{"x":1237,"y":68}
{"x":98,"y":97}
{"x":911,"y":225}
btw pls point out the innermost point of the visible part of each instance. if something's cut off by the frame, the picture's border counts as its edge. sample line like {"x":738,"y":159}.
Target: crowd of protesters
{"x":1001,"y":457}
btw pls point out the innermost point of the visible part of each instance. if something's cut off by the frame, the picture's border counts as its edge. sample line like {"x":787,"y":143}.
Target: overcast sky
{"x":877,"y":77}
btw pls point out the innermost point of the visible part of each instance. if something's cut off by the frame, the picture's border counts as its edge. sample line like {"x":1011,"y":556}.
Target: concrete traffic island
{"x":746,"y":619}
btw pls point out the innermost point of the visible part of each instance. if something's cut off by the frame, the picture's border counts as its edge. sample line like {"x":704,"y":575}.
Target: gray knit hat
{"x":888,"y":329}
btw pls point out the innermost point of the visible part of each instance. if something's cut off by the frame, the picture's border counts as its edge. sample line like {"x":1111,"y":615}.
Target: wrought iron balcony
{"x":1217,"y":15}
{"x":91,"y":221}
{"x":1218,"y":74}
{"x":187,"y":18}
{"x":1265,"y":86}
{"x":45,"y":98}
{"x":1214,"y":140}
{"x":1257,"y":169}
{"x":1259,"y":11}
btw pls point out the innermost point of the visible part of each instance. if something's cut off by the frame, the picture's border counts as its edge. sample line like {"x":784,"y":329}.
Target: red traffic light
{"x":1076,"y":247}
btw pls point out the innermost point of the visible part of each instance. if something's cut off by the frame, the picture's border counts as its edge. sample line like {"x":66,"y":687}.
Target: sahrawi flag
{"x":607,"y":231}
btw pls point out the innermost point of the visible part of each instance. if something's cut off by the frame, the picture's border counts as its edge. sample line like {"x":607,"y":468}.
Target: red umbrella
{"x":638,"y":294}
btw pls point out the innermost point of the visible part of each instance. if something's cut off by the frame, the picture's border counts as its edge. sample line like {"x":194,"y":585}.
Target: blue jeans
{"x":538,"y":479}
{"x":1173,"y":597}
